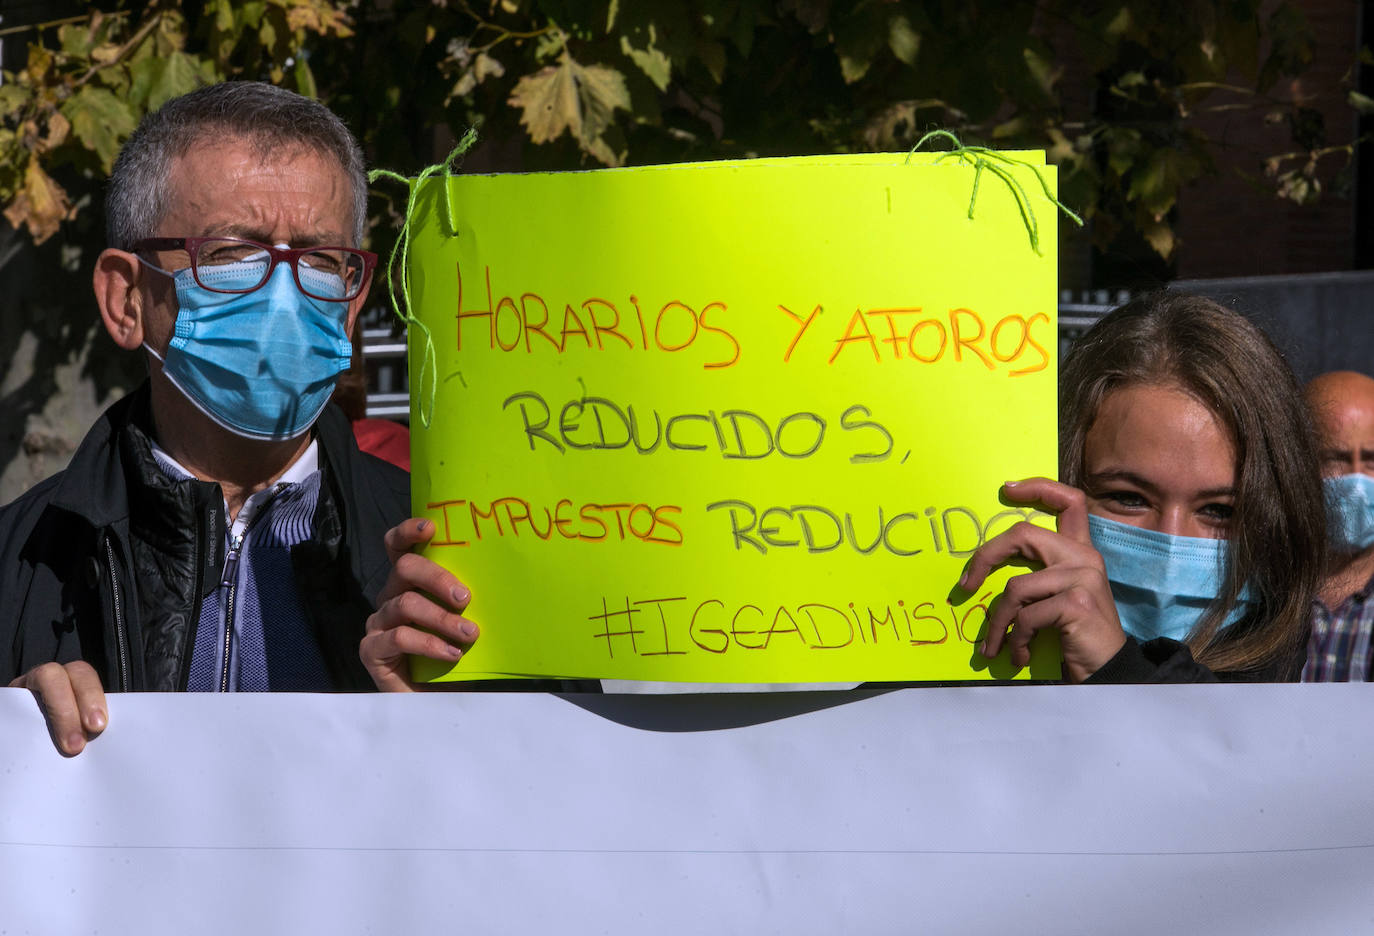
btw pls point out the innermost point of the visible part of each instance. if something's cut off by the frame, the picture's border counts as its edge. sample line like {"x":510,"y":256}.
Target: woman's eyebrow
{"x":1130,"y":477}
{"x":1120,"y":474}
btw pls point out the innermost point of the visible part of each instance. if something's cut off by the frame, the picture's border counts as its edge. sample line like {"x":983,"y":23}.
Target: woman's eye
{"x":1127,"y":499}
{"x":1218,"y":513}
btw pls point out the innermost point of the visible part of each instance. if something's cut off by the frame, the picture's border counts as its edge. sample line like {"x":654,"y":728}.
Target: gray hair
{"x":265,"y":115}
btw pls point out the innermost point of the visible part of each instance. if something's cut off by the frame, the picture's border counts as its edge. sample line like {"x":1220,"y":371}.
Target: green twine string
{"x":984,"y":159}
{"x":429,"y":380}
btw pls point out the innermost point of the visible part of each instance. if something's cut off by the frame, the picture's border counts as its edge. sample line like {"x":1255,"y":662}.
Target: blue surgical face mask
{"x":1350,"y":512}
{"x":1162,"y":584}
{"x":261,"y":364}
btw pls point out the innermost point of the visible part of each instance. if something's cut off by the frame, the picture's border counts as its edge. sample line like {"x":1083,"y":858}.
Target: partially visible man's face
{"x":298,"y":198}
{"x":1343,"y":406}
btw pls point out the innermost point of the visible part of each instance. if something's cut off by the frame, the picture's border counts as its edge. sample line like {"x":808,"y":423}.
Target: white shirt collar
{"x":303,"y":467}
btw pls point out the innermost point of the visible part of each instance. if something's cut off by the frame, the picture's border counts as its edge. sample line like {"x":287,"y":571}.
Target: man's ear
{"x":116,"y":292}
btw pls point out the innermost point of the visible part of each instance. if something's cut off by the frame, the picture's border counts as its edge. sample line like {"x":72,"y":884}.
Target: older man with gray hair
{"x":218,"y":528}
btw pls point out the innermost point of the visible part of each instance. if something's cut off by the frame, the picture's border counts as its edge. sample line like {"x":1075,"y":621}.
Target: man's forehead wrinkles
{"x":260,"y":225}
{"x":228,"y":190}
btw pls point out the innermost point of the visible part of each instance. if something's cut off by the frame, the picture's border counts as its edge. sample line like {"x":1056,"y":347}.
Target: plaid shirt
{"x":1339,"y":649}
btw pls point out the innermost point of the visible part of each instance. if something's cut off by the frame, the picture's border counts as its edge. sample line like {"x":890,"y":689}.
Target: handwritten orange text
{"x":912,"y":334}
{"x":462,"y":521}
{"x":528,"y":321}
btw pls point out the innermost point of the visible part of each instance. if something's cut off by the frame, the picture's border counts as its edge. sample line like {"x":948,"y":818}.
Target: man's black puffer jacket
{"x":107,"y":561}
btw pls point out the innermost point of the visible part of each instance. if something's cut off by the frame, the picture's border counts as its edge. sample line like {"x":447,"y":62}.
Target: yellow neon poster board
{"x":731,"y":422}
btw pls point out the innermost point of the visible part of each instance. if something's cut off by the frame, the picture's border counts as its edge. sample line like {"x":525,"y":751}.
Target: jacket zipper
{"x":229,"y":581}
{"x":121,"y":637}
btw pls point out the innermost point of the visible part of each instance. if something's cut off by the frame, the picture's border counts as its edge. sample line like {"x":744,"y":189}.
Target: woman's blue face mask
{"x":1162,"y":584}
{"x":261,"y":364}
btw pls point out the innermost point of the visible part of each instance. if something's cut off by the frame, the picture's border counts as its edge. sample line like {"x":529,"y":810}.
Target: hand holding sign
{"x":1070,"y":593}
{"x":419,"y":612}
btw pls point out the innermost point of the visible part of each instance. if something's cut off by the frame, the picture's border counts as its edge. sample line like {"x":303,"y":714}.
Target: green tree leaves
{"x":86,"y":84}
{"x":156,"y":79}
{"x":579,"y":99}
{"x":100,"y":121}
{"x":40,"y":204}
{"x":564,"y":83}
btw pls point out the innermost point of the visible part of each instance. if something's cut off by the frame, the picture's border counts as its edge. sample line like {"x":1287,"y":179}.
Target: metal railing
{"x":388,"y":385}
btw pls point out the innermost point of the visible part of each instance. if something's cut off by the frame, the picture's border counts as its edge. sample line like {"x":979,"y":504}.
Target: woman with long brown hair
{"x":1191,"y":520}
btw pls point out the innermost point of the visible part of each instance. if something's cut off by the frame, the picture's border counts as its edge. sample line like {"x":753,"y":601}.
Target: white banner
{"x":1224,"y":809}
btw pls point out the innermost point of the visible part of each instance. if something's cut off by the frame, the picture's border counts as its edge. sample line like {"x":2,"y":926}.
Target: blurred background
{"x":1219,"y":147}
